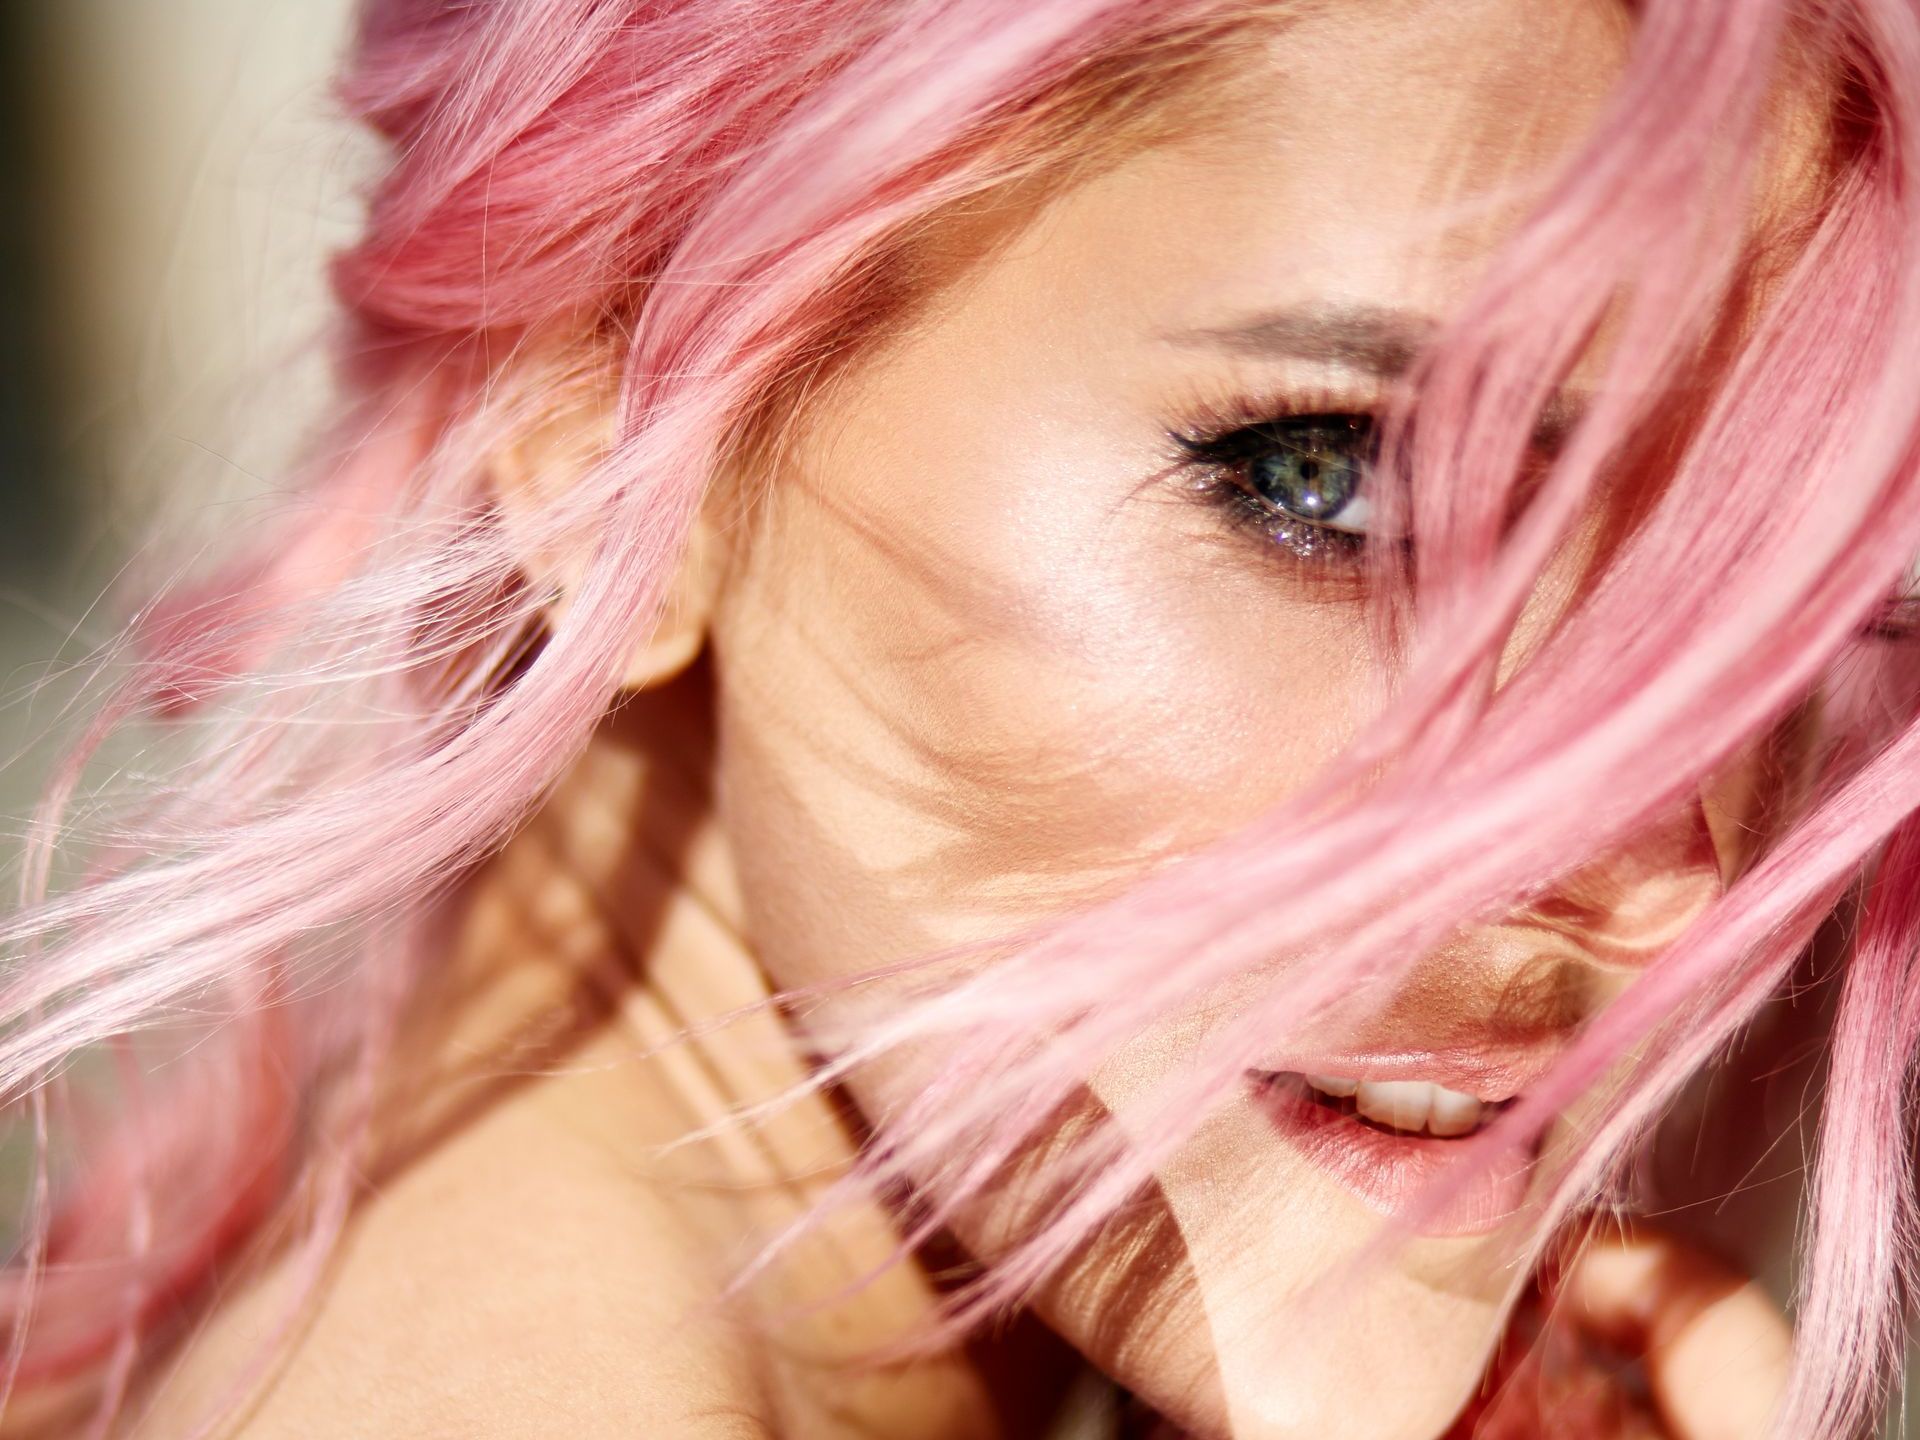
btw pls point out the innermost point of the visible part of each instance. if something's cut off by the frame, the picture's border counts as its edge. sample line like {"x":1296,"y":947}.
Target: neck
{"x":601,"y":958}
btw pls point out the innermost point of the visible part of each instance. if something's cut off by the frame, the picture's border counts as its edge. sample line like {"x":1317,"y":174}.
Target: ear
{"x":572,"y":429}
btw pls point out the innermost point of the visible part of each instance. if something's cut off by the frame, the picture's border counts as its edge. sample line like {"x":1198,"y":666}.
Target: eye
{"x":1312,"y":467}
{"x":1298,"y":481}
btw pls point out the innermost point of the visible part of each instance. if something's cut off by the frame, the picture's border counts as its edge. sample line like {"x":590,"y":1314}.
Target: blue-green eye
{"x":1300,"y":480}
{"x":1312,"y":468}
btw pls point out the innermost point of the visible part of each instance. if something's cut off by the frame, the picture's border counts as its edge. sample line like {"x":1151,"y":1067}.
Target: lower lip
{"x":1389,"y":1173}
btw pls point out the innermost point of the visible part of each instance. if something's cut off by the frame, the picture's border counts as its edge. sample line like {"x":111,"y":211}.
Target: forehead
{"x":1367,"y":152}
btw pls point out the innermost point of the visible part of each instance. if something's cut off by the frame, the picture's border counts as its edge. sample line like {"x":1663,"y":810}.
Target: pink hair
{"x":717,"y":185}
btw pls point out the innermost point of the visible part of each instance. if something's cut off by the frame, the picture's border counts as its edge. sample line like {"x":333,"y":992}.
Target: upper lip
{"x":1488,"y":1073}
{"x":1488,"y":1014}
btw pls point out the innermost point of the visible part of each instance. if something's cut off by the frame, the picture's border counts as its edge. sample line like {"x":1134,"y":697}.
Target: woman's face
{"x":983,"y":655}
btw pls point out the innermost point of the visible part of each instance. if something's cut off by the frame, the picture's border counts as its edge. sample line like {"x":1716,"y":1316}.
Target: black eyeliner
{"x":1223,"y":456}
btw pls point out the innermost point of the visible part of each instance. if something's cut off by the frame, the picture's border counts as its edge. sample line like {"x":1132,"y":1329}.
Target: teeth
{"x":1333,"y":1085}
{"x":1452,"y":1113}
{"x":1409,"y":1105}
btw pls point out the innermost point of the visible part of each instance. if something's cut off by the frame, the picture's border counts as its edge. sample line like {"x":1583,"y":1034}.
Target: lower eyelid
{"x":1214,"y":469}
{"x":1302,"y":540}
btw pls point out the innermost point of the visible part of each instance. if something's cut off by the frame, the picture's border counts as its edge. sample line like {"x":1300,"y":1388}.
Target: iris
{"x":1312,"y":467}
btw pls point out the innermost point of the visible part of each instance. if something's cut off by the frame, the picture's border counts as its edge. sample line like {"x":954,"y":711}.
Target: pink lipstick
{"x":1388,"y":1169}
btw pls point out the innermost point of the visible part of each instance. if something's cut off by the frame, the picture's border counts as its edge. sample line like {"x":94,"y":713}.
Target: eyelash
{"x":1214,"y":448}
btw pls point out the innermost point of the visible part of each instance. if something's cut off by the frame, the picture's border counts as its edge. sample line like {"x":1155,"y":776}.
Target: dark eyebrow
{"x":1378,"y":339}
{"x":1373,"y":338}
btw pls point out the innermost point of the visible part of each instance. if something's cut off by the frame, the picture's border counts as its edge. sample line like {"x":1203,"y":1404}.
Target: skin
{"x":968,"y":663}
{"x":1041,"y":671}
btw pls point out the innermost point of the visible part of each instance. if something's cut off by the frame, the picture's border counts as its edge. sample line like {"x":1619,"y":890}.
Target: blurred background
{"x":172,"y":173}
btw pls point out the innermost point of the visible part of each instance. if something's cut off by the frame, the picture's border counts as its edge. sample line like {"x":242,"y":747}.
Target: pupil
{"x":1313,"y":469}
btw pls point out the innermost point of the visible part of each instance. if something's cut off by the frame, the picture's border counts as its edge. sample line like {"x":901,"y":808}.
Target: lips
{"x":1489,"y":1073}
{"x":1476,"y":1029}
{"x":1390,"y":1170}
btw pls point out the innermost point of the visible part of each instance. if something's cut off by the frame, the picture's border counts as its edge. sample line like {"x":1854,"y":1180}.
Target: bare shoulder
{"x":534,"y":1263}
{"x":513,"y":1283}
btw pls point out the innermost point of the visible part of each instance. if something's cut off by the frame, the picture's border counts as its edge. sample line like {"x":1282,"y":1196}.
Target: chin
{"x":1382,"y":1371}
{"x":1242,"y":1337}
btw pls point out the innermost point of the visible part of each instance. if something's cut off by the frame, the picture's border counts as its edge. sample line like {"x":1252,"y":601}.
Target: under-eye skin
{"x":1298,"y":482}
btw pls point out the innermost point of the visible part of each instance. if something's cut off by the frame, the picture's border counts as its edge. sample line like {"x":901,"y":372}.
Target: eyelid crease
{"x":1211,"y":413}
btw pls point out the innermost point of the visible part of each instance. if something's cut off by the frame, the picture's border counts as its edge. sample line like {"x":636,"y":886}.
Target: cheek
{"x":945,"y":714}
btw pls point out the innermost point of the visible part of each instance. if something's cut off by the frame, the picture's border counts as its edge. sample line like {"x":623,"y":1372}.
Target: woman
{"x":1270,"y":622}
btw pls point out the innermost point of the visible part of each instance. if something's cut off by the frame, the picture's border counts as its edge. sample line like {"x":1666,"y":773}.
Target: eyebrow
{"x":1370,"y":337}
{"x":1378,"y":339}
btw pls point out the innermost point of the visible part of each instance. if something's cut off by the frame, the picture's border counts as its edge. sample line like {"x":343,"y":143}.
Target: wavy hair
{"x":719,"y":199}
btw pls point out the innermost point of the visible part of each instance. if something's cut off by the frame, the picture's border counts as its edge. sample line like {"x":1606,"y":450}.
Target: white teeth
{"x":1403,"y":1104}
{"x":1333,"y":1085}
{"x":1453,"y":1113}
{"x":1409,"y":1105}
